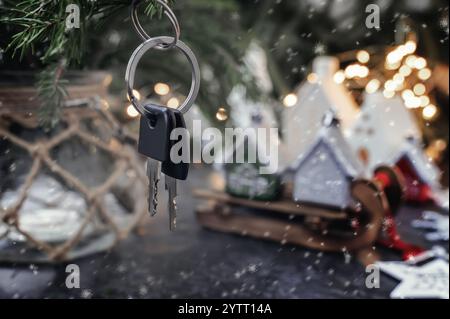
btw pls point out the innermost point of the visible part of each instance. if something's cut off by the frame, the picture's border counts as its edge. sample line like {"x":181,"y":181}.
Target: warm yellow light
{"x":420,"y":89}
{"x":162,"y":89}
{"x":392,"y":66}
{"x":407,"y":94}
{"x":394,"y":56}
{"x":351,"y":71}
{"x":405,"y":70}
{"x":429,"y":112}
{"x":221,"y":114}
{"x":131,"y":111}
{"x":398,"y":79}
{"x":424,"y":74}
{"x":410,"y":47}
{"x":290,"y":100}
{"x":420,"y":63}
{"x":390,"y":85}
{"x":173,"y":103}
{"x":363,"y":56}
{"x":424,"y":100}
{"x":373,"y":86}
{"x":356,"y":70}
{"x":440,"y":145}
{"x":412,"y":102}
{"x":312,"y":78}
{"x":388,"y":94}
{"x":339,"y":77}
{"x":363,"y":71}
{"x":410,"y":61}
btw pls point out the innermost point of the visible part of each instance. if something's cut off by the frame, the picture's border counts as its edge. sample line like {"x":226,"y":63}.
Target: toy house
{"x":386,"y":133}
{"x":245,"y":179}
{"x":302,"y":122}
{"x":323,"y":174}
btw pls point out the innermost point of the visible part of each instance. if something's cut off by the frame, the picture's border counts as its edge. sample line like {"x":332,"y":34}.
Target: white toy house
{"x":302,"y":122}
{"x":386,"y":133}
{"x":323,"y":173}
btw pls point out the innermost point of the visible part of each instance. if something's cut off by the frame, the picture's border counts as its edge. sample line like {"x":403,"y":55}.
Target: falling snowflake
{"x":86,"y":294}
{"x":443,"y":23}
{"x":320,"y":49}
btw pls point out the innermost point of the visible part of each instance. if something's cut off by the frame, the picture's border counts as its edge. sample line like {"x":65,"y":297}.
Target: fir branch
{"x":43,"y":24}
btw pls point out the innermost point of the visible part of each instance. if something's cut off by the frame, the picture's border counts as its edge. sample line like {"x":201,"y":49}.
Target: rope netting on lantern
{"x":71,"y":191}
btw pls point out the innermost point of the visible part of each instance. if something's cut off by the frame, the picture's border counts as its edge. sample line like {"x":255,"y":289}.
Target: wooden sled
{"x":268,"y":220}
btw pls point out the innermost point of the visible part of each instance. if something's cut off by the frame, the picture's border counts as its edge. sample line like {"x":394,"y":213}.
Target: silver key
{"x":171,"y":187}
{"x":154,"y":175}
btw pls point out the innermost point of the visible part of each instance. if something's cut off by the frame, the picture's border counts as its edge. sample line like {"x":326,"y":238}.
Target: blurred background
{"x":73,"y":189}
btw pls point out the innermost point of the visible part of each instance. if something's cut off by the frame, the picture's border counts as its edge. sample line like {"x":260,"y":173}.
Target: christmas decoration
{"x":327,"y":167}
{"x":103,"y":42}
{"x":430,"y":280}
{"x":245,"y":179}
{"x":317,"y":96}
{"x":65,"y":194}
{"x":436,"y":224}
{"x":386,"y":133}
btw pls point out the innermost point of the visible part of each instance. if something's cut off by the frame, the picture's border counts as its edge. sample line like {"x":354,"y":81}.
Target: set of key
{"x":156,"y":126}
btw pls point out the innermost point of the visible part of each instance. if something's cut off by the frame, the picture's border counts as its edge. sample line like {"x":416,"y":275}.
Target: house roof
{"x":331,"y":136}
{"x":425,"y":168}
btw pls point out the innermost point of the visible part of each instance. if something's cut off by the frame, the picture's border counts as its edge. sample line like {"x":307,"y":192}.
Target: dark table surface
{"x":196,"y":263}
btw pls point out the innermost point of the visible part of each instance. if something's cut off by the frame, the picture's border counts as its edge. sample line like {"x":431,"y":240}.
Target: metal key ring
{"x":153,"y":43}
{"x":169,"y":14}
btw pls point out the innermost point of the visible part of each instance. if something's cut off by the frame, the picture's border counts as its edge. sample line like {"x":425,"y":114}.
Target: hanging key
{"x":175,"y":171}
{"x":154,"y":142}
{"x":171,"y":187}
{"x":154,"y":134}
{"x":157,"y":123}
{"x":154,"y":175}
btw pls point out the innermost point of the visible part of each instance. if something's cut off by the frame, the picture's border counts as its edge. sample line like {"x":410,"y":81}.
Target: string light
{"x":373,"y":86}
{"x":221,"y":114}
{"x":312,"y":78}
{"x":424,"y":100}
{"x":132,"y":112}
{"x":290,"y":100}
{"x":424,"y":74}
{"x":390,"y":85}
{"x":412,"y":102}
{"x":429,"y":112}
{"x":356,"y":70}
{"x":392,"y":66}
{"x":398,"y":80}
{"x":407,"y":94}
{"x":394,"y":57}
{"x":419,"y":89}
{"x":162,"y":89}
{"x":173,"y":103}
{"x":363,"y":56}
{"x":420,"y":63}
{"x":405,"y":70}
{"x":410,"y":61}
{"x":339,"y":77}
{"x":410,"y":47}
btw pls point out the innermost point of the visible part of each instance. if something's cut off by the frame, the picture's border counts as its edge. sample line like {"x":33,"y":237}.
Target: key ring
{"x":153,"y":43}
{"x":169,"y":14}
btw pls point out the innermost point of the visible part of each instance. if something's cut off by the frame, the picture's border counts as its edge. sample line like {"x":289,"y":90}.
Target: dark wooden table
{"x":197,"y":263}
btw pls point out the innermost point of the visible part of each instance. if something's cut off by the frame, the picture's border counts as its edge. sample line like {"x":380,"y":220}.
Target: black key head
{"x":154,"y":133}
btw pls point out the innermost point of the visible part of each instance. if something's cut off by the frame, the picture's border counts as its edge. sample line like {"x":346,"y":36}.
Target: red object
{"x":393,"y":240}
{"x":416,"y":190}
